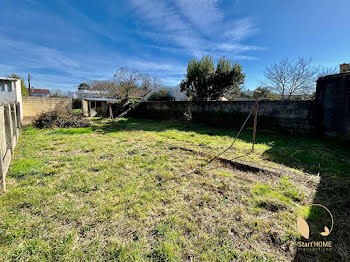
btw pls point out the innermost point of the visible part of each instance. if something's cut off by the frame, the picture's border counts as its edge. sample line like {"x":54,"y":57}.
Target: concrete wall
{"x":290,"y":116}
{"x":10,"y":124}
{"x":19,"y":98}
{"x":2,"y":133}
{"x":33,"y":106}
{"x":332,"y":105}
{"x":328,"y":114}
{"x":85,"y":106}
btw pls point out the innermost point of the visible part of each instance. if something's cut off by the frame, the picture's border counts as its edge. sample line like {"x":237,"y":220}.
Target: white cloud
{"x":238,"y":48}
{"x":168,"y":23}
{"x":177,"y":27}
{"x":151,"y":66}
{"x":32,"y":58}
{"x":35,"y":56}
{"x":203,"y":14}
{"x":171,"y":81}
{"x":240,"y":29}
{"x":196,"y":26}
{"x":89,"y":24}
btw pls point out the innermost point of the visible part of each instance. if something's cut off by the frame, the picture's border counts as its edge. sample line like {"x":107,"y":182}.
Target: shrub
{"x":61,"y":117}
{"x":161,"y":95}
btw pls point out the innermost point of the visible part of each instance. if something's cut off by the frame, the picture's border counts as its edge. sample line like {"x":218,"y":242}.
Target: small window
{"x":2,"y":86}
{"x":10,"y":87}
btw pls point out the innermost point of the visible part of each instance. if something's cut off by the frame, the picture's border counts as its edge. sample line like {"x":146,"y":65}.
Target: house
{"x":176,"y":93}
{"x":39,"y":92}
{"x":84,"y":92}
{"x":11,"y":92}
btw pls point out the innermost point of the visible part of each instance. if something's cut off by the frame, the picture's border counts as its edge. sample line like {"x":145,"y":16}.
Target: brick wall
{"x":289,"y":116}
{"x":32,"y":106}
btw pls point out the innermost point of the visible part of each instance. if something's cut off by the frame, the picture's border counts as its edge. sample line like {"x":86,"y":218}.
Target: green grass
{"x":127,"y":191}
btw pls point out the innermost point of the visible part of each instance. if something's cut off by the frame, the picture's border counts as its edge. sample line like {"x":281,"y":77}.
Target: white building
{"x":10,"y":91}
{"x":173,"y":92}
{"x":176,"y":93}
{"x":84,"y":93}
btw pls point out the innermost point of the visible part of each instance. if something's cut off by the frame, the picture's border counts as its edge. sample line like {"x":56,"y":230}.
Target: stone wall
{"x":288,"y":116}
{"x":33,"y":106}
{"x":10,"y":125}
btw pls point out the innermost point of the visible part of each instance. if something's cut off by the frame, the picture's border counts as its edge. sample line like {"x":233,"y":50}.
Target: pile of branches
{"x":62,"y":117}
{"x":122,"y":107}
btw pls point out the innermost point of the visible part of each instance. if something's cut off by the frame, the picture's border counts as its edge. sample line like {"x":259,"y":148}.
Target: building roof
{"x":334,"y":75}
{"x":8,"y":79}
{"x":100,"y":99}
{"x":39,"y":91}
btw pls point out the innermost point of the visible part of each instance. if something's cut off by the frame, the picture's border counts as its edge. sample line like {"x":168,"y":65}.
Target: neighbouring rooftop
{"x":7,"y":79}
{"x":41,"y":91}
{"x":100,"y":99}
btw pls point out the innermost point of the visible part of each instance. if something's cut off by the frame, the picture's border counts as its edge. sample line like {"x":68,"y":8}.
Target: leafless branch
{"x":287,"y":78}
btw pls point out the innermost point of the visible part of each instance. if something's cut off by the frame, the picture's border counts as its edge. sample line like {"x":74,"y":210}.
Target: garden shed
{"x":96,"y":106}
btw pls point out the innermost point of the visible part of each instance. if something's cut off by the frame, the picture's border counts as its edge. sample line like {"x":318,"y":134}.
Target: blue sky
{"x":63,"y":43}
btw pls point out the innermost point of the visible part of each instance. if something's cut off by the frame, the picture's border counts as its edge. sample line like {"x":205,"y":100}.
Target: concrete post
{"x":85,"y":107}
{"x":3,"y":146}
{"x":2,"y":150}
{"x":19,"y":98}
{"x":2,"y":175}
{"x":14,"y":121}
{"x":8,"y":128}
{"x":18,"y":112}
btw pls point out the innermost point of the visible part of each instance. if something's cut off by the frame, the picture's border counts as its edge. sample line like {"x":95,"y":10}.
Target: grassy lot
{"x":130,"y":191}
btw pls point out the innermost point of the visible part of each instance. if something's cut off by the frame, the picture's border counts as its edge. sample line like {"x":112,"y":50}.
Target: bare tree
{"x":156,"y":84}
{"x":325,"y":71}
{"x":126,"y":84}
{"x":287,"y":78}
{"x":104,"y":88}
{"x":130,"y":81}
{"x":56,"y":93}
{"x":126,"y":81}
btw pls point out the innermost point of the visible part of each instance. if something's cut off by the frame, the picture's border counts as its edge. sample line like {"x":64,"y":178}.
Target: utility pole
{"x":30,"y":92}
